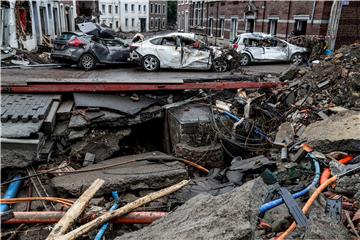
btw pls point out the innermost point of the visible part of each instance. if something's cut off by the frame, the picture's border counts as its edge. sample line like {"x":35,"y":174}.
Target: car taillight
{"x":76,"y":42}
{"x":235,"y":46}
{"x":133,"y":48}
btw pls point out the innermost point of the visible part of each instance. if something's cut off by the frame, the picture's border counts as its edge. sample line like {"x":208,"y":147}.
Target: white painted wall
{"x":126,"y":25}
{"x":107,"y":17}
{"x":31,"y":41}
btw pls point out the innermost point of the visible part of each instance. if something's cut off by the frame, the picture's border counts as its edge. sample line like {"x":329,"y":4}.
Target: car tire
{"x":297,"y":58}
{"x":150,"y":63}
{"x":220,"y":65}
{"x":87,"y":62}
{"x":244,"y":59}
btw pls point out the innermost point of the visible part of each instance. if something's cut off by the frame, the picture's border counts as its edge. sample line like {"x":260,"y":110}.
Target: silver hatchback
{"x":260,"y":47}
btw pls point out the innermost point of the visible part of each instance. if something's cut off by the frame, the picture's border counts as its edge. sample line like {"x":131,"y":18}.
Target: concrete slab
{"x":339,"y":132}
{"x":122,"y":104}
{"x":138,"y":175}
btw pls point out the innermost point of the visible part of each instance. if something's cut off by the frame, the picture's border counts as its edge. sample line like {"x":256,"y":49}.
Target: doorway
{"x":142,"y":24}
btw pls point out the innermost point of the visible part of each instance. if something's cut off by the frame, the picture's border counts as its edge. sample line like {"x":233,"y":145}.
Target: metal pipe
{"x":11,"y":192}
{"x":103,"y":228}
{"x":54,"y":216}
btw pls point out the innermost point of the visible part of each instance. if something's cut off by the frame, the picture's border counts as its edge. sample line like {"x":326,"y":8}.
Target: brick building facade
{"x":222,"y":20}
{"x":158,"y":15}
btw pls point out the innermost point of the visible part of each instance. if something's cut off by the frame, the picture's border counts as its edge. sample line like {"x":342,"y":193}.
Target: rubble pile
{"x":235,"y":164}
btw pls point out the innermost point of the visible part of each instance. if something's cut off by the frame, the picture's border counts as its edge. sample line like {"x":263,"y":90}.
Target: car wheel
{"x":297,"y":58}
{"x":150,"y":63}
{"x":244,"y":60}
{"x":220,"y":65}
{"x":87,"y":62}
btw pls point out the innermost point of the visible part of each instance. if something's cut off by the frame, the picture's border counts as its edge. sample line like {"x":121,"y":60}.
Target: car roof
{"x":256,"y":35}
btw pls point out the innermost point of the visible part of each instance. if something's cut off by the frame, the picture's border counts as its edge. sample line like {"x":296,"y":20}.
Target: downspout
{"x":217,"y":22}
{"x":288,"y":19}
{"x":313,"y":12}
{"x":263,"y":18}
{"x":11,"y":192}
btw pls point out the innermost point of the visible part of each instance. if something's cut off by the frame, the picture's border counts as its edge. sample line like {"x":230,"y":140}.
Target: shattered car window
{"x":168,"y":42}
{"x":156,"y":41}
{"x":248,"y":42}
{"x":113,"y":42}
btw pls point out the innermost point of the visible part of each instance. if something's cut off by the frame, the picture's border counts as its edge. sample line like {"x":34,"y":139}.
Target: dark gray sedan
{"x":87,"y":50}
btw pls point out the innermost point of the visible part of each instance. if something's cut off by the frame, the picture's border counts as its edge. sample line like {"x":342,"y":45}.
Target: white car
{"x":260,"y":47}
{"x":177,"y":51}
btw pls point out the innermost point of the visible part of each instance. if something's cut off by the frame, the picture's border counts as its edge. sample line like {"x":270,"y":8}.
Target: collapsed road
{"x":232,"y":157}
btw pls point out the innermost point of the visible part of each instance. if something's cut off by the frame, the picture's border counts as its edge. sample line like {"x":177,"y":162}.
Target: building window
{"x":126,"y":7}
{"x":250,"y":25}
{"x":163,"y":23}
{"x":272,"y":26}
{"x":163,"y":9}
{"x":151,"y":23}
{"x":116,"y":9}
{"x":159,"y":9}
{"x":126,"y":22}
{"x":155,"y":8}
{"x":103,"y":8}
{"x":139,"y":7}
{"x":144,"y":8}
{"x":151,"y":8}
{"x":300,"y":27}
{"x":132,"y":22}
{"x":110,"y":8}
{"x":234,"y":28}
{"x":211,"y":26}
{"x":156,"y":23}
{"x":132,"y":7}
{"x":117,"y":24}
{"x":222,"y":27}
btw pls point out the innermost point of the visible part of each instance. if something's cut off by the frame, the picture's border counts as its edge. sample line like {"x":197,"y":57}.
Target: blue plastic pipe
{"x":270,"y":205}
{"x":104,"y":227}
{"x":11,"y":192}
{"x":256,"y":130}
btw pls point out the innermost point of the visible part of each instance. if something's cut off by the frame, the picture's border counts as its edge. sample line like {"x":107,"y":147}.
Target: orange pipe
{"x":327,"y":172}
{"x":197,"y":166}
{"x":30,"y":199}
{"x":55,"y":216}
{"x":307,"y":206}
{"x":346,"y":160}
{"x":325,"y":175}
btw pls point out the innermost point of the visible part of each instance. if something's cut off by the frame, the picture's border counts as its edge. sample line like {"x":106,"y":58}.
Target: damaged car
{"x":177,"y":51}
{"x":90,"y":47}
{"x":260,"y":47}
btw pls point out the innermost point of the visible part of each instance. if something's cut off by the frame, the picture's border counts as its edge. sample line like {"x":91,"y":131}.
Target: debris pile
{"x":250,"y":163}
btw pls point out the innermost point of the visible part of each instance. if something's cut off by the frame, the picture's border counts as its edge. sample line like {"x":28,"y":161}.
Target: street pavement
{"x":121,"y":74}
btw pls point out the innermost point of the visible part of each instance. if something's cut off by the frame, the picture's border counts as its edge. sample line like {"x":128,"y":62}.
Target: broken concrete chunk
{"x":339,"y":132}
{"x":285,"y":133}
{"x":17,"y":158}
{"x":64,"y":110}
{"x":214,"y":154}
{"x":324,"y":227}
{"x":289,"y":73}
{"x":99,"y":142}
{"x":137,"y":175}
{"x":121,"y":104}
{"x":89,"y":159}
{"x":73,"y":135}
{"x":228,"y":216}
